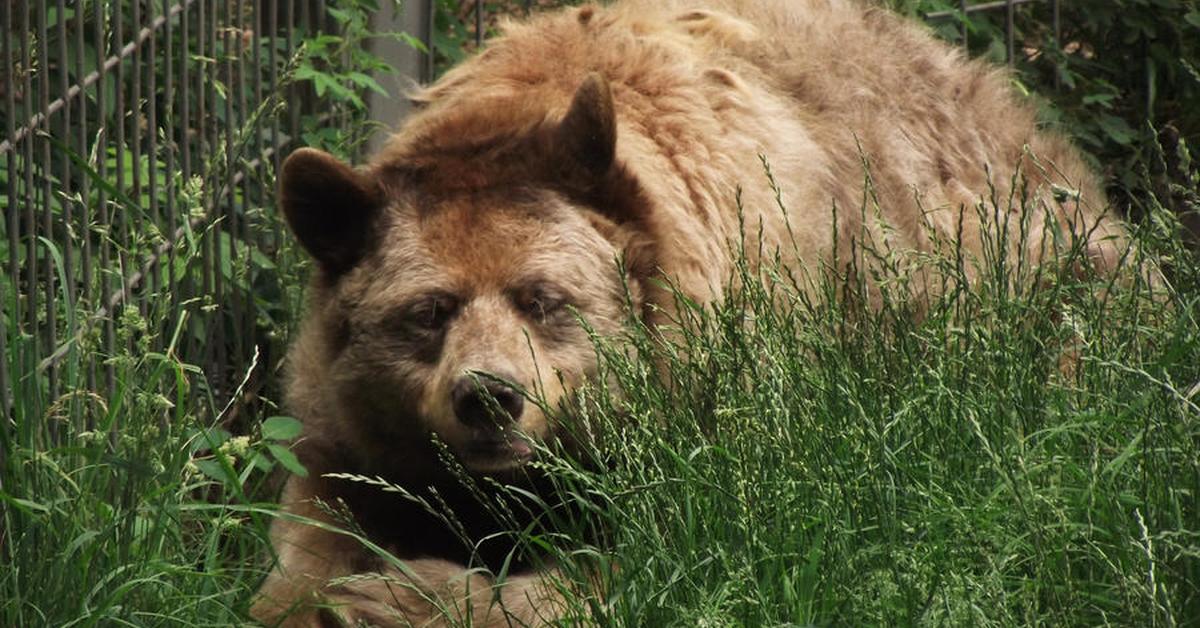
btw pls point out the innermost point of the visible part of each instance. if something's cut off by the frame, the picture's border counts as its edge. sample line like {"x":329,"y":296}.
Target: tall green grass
{"x":107,"y":517}
{"x":1008,"y":452}
{"x":1003,"y":453}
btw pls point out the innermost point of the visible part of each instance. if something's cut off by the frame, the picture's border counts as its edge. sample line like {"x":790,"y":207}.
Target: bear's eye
{"x":540,"y":302}
{"x":430,"y":313}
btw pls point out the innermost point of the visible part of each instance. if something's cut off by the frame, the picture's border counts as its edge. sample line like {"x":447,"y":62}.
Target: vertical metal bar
{"x":50,"y":333}
{"x":11,"y":217}
{"x":68,"y":192}
{"x":104,"y":218}
{"x":87,"y":360}
{"x":136,"y":238}
{"x":478,"y":23}
{"x":1057,"y":22}
{"x":427,"y":37}
{"x":962,"y":8}
{"x":184,"y":128}
{"x":263,"y":132}
{"x":121,"y":212}
{"x":185,"y":99}
{"x":235,"y":99}
{"x":296,"y":23}
{"x":193,"y":143}
{"x":195,"y":147}
{"x":273,"y":75}
{"x":81,"y":127}
{"x":273,"y":86}
{"x":206,"y":40}
{"x":1150,"y":84}
{"x":1009,"y":36}
{"x":215,"y":322}
{"x":170,"y":123}
{"x":228,"y":309}
{"x":153,"y":283}
{"x":64,"y":177}
{"x":254,"y":236}
{"x":256,"y":73}
{"x":30,"y":226}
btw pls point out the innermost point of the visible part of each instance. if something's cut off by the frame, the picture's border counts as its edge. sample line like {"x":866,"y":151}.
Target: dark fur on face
{"x":426,"y":314}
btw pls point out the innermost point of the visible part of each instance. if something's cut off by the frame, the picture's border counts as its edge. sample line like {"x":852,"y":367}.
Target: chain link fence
{"x":136,"y":181}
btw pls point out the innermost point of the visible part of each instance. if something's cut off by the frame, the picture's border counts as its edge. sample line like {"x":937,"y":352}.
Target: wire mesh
{"x":138,"y":151}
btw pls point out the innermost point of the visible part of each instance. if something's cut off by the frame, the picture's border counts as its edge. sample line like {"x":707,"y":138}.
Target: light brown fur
{"x":574,"y":139}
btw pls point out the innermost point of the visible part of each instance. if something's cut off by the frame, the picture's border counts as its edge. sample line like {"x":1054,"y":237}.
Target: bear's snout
{"x":486,"y":403}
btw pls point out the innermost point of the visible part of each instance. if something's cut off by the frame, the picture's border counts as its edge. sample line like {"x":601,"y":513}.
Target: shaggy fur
{"x":493,"y":217}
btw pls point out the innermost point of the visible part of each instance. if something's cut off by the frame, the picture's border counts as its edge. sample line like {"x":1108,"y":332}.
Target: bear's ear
{"x":329,"y":206}
{"x":586,"y":139}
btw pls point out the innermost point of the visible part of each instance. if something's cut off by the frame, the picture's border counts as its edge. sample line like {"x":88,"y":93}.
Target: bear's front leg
{"x":433,"y":592}
{"x":325,"y":578}
{"x":308,"y":557}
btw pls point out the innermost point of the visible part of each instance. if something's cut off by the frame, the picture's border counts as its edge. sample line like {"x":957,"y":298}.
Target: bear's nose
{"x":484,"y":403}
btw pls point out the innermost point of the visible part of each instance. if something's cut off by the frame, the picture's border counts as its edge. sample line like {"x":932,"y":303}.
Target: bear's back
{"x":828,"y":93}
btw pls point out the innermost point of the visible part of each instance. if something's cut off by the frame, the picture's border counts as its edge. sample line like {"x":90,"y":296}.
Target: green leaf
{"x":305,"y":72}
{"x":411,"y":41}
{"x":261,"y":260}
{"x":53,"y":18}
{"x":261,"y":462}
{"x":214,"y":470}
{"x":281,"y":428}
{"x":322,"y":82}
{"x":208,"y":438}
{"x":1117,"y":129}
{"x":24,"y":505}
{"x":362,"y":80}
{"x":340,"y":15}
{"x":287,"y":459}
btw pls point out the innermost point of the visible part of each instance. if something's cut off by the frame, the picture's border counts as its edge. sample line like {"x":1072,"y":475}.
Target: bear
{"x":582,"y":166}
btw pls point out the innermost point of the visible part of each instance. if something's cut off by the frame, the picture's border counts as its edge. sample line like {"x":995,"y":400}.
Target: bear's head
{"x":449,"y":281}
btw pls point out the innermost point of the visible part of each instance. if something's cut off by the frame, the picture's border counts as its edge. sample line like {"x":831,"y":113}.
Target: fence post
{"x":410,"y":64}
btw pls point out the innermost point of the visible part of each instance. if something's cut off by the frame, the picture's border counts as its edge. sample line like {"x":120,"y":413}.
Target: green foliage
{"x":1119,"y":72}
{"x":1020,"y":451}
{"x":451,"y":40}
{"x":132,"y":508}
{"x":340,"y":67}
{"x":455,"y":25}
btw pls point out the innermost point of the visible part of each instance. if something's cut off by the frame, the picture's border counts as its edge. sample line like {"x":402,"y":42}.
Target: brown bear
{"x":451,"y":269}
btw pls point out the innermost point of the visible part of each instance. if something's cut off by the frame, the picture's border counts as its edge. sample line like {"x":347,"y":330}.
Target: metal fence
{"x":964,"y":10}
{"x":136,"y":176}
{"x":135,"y":173}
